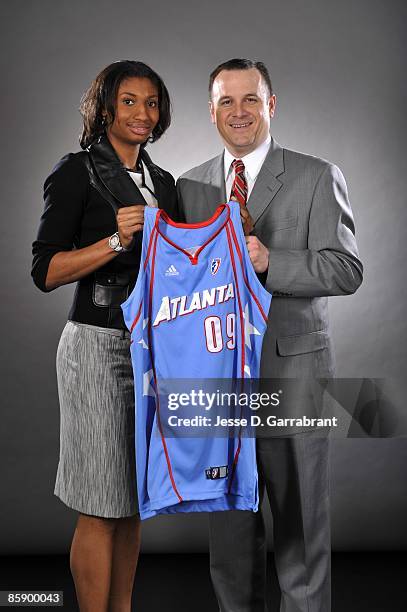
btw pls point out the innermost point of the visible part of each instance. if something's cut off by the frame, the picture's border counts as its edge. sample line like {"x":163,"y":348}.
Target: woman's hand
{"x":130,"y":219}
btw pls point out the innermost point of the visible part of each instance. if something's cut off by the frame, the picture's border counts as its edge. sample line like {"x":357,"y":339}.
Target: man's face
{"x":241,"y":108}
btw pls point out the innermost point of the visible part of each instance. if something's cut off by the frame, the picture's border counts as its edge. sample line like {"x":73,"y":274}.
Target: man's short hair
{"x":241,"y":64}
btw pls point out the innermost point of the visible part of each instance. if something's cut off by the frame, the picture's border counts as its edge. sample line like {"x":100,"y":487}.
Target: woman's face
{"x":137,"y":112}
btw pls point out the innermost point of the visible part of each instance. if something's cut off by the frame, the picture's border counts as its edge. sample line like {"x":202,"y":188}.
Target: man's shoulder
{"x":202,"y":171}
{"x":311,"y":167}
{"x":306,"y":160}
{"x":294,"y":156}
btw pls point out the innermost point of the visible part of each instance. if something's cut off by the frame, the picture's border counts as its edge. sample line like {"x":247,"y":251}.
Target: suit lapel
{"x":113,"y":175}
{"x":267,"y":184}
{"x":215,"y":189}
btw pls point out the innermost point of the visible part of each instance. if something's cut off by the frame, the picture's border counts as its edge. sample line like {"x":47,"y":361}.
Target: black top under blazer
{"x":77,"y":215}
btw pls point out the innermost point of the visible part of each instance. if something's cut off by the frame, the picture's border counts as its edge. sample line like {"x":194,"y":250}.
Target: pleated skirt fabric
{"x":96,"y":471}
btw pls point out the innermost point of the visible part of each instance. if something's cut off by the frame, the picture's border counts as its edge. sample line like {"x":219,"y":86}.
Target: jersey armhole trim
{"x":243,"y":349}
{"x":240,"y":255}
{"x":150,"y":345}
{"x":136,"y":318}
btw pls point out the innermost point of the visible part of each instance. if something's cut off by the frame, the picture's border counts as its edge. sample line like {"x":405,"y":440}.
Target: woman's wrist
{"x":117,"y":244}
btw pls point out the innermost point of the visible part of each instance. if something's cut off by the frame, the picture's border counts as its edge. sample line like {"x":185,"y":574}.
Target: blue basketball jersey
{"x":198,"y":311}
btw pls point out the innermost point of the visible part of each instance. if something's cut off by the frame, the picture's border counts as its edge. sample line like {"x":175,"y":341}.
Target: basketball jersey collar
{"x":162,"y":215}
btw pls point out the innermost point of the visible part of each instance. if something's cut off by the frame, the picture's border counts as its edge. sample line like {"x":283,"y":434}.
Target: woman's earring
{"x":104,"y":121}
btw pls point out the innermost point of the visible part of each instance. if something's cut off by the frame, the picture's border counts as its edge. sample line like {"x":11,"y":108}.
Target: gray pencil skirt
{"x":96,"y":471}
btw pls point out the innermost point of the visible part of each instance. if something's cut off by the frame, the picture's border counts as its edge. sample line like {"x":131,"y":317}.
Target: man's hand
{"x":259,"y":254}
{"x":247,"y":221}
{"x":130,"y":219}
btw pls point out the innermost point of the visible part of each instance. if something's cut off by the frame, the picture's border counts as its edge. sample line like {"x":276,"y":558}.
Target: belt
{"x":122,"y":333}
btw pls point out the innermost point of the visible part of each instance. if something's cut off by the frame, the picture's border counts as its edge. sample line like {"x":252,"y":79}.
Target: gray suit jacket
{"x":301,"y":212}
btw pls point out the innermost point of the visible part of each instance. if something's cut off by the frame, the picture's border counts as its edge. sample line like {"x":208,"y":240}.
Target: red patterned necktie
{"x":239,"y":187}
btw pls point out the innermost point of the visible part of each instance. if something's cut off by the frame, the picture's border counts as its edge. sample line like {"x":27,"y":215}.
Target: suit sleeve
{"x":180,"y":209}
{"x":330,"y":265}
{"x":65,"y":195}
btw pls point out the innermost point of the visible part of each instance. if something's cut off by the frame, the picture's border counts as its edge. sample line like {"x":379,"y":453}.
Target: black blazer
{"x":80,"y":196}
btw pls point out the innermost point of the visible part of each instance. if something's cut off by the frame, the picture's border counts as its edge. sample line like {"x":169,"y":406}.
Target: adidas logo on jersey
{"x":171,"y":308}
{"x":171,"y":271}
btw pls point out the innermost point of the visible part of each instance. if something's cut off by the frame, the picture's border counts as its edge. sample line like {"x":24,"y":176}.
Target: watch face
{"x":114,"y":241}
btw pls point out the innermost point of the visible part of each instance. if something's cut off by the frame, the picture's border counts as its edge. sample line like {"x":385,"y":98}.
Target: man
{"x":302,"y":242}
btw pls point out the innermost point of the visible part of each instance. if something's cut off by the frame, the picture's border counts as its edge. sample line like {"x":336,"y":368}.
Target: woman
{"x":90,"y":232}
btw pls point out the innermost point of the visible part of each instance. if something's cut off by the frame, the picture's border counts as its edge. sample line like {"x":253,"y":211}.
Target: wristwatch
{"x":115,"y":244}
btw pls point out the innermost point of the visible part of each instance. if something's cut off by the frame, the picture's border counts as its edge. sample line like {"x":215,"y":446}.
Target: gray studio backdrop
{"x":339,"y":73}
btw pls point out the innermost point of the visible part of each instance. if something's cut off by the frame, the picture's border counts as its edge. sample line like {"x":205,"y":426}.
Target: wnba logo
{"x":215,"y":265}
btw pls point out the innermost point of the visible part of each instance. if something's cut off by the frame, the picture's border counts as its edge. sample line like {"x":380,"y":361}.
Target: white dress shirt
{"x":252,"y":164}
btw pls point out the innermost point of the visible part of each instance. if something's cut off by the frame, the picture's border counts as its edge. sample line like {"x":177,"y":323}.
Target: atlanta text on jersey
{"x":171,"y":308}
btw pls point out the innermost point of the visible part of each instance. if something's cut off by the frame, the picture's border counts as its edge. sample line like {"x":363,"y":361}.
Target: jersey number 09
{"x":214,"y":336}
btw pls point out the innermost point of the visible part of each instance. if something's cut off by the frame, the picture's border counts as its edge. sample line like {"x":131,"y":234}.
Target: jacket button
{"x":110,"y":280}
